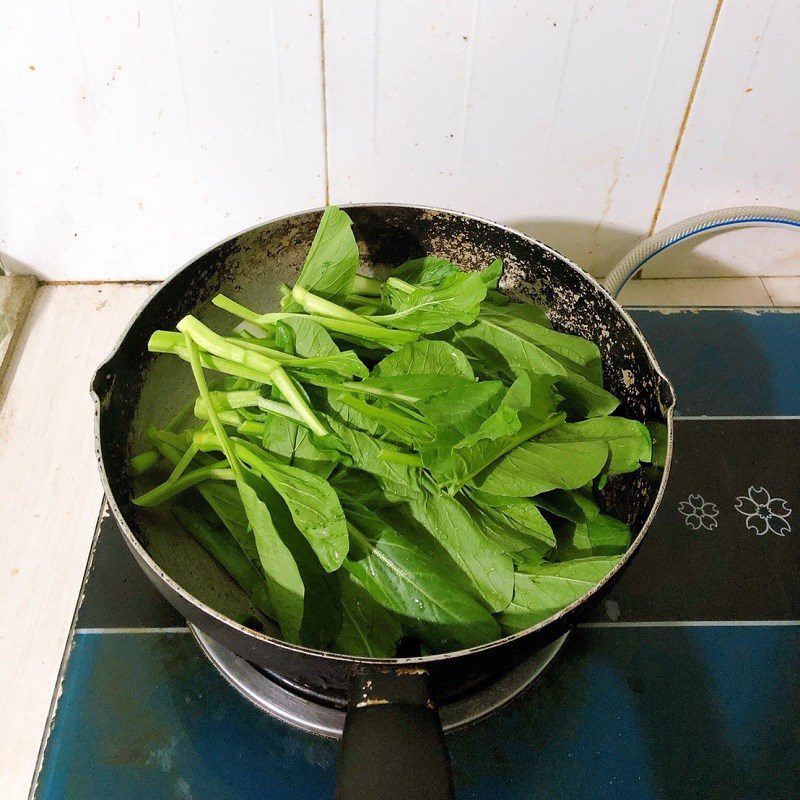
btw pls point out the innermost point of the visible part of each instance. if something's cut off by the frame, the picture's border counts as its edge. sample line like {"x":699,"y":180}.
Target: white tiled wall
{"x":134,"y":135}
{"x":742,"y":143}
{"x":559,"y":118}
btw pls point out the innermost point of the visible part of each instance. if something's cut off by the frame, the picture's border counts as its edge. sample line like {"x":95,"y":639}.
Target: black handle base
{"x":392,"y":744}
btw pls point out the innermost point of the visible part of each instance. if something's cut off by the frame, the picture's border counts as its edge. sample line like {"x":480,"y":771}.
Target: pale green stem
{"x":236,"y":309}
{"x":250,"y":399}
{"x":166,"y":491}
{"x":200,"y":380}
{"x":218,"y":346}
{"x":312,"y":304}
{"x":145,"y":461}
{"x":401,"y":285}
{"x":356,"y":386}
{"x":386,"y":417}
{"x":368,"y":286}
{"x":292,"y":394}
{"x":396,"y":457}
{"x":181,"y":466}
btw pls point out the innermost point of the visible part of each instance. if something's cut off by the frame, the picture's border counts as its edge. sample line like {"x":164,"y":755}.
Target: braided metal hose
{"x":631,"y":263}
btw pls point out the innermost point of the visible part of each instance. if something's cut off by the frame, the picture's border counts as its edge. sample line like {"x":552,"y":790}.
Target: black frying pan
{"x":392,"y":744}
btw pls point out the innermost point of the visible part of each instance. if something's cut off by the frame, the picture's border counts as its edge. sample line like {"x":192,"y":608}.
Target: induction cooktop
{"x":684,"y":683}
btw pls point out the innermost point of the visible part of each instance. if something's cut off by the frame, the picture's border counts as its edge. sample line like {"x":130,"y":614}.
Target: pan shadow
{"x":720,"y":363}
{"x":597,"y":248}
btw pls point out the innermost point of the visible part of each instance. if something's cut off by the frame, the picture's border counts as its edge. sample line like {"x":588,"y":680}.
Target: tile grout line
{"x":685,"y":119}
{"x":699,"y":623}
{"x":709,"y":623}
{"x":762,"y":278}
{"x":101,"y":282}
{"x":767,"y":291}
{"x":690,"y":278}
{"x":665,"y":308}
{"x":693,"y":309}
{"x":324,"y":79}
{"x":733,"y":417}
{"x":167,"y":629}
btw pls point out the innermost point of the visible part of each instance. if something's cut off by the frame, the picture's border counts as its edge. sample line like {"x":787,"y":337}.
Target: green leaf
{"x":540,"y":594}
{"x":222,"y":546}
{"x":313,"y":503}
{"x":492,"y":274}
{"x":496,"y":348}
{"x":332,"y":261}
{"x":659,"y":436}
{"x":426,"y":356}
{"x":464,"y":408}
{"x":529,"y":312}
{"x":526,"y":516}
{"x":490,"y":570}
{"x":426,"y":271}
{"x":431,"y":271}
{"x":286,"y":588}
{"x":345,"y":414}
{"x":573,"y":352}
{"x":409,"y":389}
{"x":406,"y":576}
{"x":401,"y":425}
{"x":539,"y":466}
{"x":322,"y":611}
{"x":428,"y":309}
{"x":517,"y":528}
{"x":487,"y":499}
{"x":526,"y":410}
{"x":600,"y":536}
{"x":628,"y":440}
{"x":292,"y":444}
{"x":326,"y":369}
{"x":308,"y":338}
{"x":368,"y":629}
{"x":356,"y":483}
{"x":226,"y":502}
{"x":309,"y":341}
{"x":576,"y":505}
{"x":520,"y":398}
{"x":454,"y":414}
{"x":397,"y":481}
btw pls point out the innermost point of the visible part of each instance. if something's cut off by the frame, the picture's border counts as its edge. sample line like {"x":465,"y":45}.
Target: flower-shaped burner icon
{"x":697,"y":513}
{"x":764,"y":513}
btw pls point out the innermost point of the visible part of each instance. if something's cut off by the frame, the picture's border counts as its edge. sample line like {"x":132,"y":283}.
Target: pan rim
{"x":421,"y":661}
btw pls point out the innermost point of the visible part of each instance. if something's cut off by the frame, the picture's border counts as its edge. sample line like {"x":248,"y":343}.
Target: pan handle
{"x":393,"y":744}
